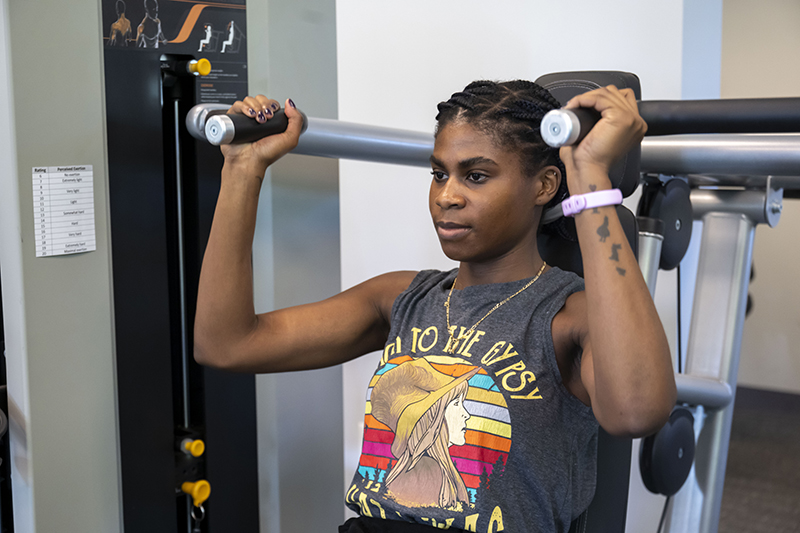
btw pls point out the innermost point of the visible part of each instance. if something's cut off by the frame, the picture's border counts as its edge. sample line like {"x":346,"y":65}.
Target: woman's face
{"x":456,"y":416}
{"x":482,"y":204}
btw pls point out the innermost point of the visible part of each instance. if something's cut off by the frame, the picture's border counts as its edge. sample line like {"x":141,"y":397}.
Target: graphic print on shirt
{"x":437,"y":435}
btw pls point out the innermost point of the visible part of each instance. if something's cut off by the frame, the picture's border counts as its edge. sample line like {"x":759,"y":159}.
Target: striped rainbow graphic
{"x":488,"y":433}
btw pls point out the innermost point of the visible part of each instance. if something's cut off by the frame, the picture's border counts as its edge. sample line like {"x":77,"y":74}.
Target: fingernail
{"x":251,"y":111}
{"x":292,"y":103}
{"x":269,"y":112}
{"x":275,"y":107}
{"x":261,"y":116}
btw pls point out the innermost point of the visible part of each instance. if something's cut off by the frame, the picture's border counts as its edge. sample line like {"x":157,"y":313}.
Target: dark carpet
{"x":762,"y":482}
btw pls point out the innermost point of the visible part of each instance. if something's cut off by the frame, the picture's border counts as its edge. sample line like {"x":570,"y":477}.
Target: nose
{"x":449,"y":194}
{"x":465,"y":413}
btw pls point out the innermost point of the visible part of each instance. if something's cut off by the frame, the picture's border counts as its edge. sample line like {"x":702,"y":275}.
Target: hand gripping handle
{"x":209,"y":122}
{"x":565,"y":127}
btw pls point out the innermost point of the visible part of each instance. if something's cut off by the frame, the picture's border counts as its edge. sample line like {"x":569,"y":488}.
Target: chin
{"x":458,"y":253}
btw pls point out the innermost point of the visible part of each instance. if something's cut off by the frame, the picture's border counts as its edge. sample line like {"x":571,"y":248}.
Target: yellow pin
{"x":200,"y":67}
{"x":198,"y":490}
{"x":195,"y":448}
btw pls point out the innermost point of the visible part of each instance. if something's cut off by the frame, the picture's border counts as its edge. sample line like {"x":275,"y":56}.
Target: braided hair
{"x":510,"y":112}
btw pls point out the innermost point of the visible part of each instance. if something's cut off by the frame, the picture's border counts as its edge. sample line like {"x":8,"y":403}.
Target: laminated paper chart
{"x":63,"y":210}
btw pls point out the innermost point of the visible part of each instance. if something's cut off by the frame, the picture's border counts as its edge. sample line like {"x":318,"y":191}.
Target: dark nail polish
{"x":269,"y":112}
{"x":251,"y":112}
{"x":292,"y":103}
{"x":261,"y":116}
{"x":275,"y":107}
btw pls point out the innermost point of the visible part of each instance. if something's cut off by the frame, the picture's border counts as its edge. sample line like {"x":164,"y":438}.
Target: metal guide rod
{"x":736,"y":154}
{"x":182,"y":289}
{"x":181,"y":269}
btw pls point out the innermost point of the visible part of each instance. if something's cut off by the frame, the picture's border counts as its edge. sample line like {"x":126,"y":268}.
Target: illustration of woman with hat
{"x":425,"y":409}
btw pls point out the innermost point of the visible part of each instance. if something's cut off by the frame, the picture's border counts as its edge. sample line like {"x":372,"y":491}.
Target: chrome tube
{"x":346,"y":140}
{"x":730,"y":154}
{"x":710,"y":393}
{"x":713,"y":352}
{"x":649,"y":258}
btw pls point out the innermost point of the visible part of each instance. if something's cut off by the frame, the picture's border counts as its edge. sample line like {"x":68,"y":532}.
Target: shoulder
{"x":571,"y":323}
{"x":383,"y":290}
{"x":570,"y":328}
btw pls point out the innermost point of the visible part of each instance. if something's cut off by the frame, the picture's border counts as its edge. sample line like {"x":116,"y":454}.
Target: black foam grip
{"x":587,"y":117}
{"x":744,"y":115}
{"x":248,"y":130}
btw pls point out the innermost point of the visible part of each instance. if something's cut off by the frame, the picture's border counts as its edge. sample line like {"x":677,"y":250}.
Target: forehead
{"x":460,"y":141}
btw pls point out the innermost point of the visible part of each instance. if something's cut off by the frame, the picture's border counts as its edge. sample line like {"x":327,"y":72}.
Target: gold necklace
{"x":451,"y":343}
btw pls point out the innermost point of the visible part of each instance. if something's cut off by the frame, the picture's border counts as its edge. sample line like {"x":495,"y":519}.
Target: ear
{"x":548,"y":180}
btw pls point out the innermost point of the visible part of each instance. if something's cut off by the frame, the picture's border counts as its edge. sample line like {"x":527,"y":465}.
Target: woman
{"x":563,"y":354}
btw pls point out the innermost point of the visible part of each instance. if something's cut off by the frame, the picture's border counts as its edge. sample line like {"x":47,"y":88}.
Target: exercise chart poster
{"x":216,"y":31}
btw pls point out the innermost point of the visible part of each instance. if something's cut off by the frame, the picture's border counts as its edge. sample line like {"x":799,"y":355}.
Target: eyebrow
{"x":466,"y":163}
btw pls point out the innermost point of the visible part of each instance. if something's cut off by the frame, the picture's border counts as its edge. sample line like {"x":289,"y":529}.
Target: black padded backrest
{"x":566,"y":85}
{"x":566,"y":254}
{"x":606,"y":513}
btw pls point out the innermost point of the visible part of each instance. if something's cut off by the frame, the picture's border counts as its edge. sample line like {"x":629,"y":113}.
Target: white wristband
{"x":575,"y":204}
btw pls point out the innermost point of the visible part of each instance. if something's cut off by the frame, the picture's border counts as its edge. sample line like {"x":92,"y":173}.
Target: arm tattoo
{"x":620,"y":271}
{"x":614,"y":255}
{"x":603,"y":230}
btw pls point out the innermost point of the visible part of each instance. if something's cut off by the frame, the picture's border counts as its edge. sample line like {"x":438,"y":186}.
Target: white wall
{"x":760,"y":46}
{"x":397,"y":61}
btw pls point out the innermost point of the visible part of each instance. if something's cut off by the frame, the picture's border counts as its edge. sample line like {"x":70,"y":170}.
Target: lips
{"x":451,"y":230}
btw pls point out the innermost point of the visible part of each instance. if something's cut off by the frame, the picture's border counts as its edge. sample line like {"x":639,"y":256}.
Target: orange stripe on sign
{"x":487,"y":440}
{"x":212,"y":4}
{"x":188,"y":24}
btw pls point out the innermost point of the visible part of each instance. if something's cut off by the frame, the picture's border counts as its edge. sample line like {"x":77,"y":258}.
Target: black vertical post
{"x":141,"y":90}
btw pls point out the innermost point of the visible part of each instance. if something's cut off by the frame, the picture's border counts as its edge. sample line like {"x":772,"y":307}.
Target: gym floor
{"x":762,"y":481}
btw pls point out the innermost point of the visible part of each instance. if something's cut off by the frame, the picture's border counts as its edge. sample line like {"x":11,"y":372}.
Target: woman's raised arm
{"x":227,"y":332}
{"x":626,"y":366}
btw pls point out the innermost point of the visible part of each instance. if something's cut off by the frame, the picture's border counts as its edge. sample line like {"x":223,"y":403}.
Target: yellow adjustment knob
{"x":195,"y":448}
{"x":200,"y":67}
{"x":199,"y":491}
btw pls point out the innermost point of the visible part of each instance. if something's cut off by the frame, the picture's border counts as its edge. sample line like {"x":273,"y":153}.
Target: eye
{"x":438,"y":175}
{"x":477,"y":177}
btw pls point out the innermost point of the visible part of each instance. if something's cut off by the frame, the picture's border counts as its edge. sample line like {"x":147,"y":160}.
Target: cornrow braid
{"x":511,"y":112}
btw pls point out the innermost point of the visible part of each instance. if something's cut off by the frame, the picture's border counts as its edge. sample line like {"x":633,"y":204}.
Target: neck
{"x":514,"y":266}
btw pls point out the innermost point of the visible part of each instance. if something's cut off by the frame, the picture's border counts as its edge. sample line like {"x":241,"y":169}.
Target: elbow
{"x":639,"y":419}
{"x":208,"y":353}
{"x":635,"y":427}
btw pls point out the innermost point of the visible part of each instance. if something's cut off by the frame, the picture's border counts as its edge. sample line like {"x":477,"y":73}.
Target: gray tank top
{"x":480,"y":435}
